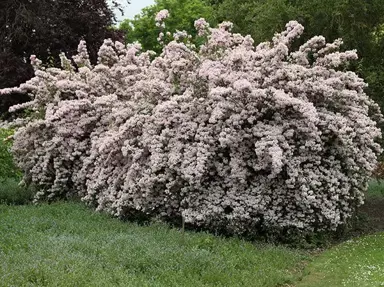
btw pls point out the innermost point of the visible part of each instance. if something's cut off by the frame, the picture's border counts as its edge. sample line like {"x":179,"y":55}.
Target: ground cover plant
{"x":229,"y":135}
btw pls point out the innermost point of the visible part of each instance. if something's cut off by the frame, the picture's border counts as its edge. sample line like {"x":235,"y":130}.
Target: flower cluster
{"x":201,"y":26}
{"x":160,"y":17}
{"x":231,"y":136}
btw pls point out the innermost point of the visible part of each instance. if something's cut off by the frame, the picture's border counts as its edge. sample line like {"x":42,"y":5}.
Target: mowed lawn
{"x":356,"y":263}
{"x":67,"y":244}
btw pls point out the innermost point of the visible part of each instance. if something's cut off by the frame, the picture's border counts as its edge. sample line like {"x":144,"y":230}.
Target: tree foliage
{"x":352,"y":20}
{"x":357,"y":22}
{"x":183,"y":13}
{"x":46,"y":28}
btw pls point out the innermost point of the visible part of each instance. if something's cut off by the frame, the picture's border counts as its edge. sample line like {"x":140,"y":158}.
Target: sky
{"x":133,"y":8}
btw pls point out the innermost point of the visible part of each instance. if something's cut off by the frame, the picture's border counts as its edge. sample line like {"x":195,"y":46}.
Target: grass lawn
{"x":358,"y":262}
{"x":66,"y":244}
{"x":355,"y":263}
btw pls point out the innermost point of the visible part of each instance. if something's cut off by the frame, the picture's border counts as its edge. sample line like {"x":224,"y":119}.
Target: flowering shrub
{"x":231,"y":136}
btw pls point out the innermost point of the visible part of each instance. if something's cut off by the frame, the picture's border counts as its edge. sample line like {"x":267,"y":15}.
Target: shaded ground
{"x":373,"y":210}
{"x":370,"y":218}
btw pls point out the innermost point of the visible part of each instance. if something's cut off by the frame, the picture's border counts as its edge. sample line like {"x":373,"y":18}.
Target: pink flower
{"x":229,"y":135}
{"x":162,"y":15}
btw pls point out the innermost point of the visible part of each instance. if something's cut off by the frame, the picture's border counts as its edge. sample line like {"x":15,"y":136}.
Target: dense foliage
{"x":183,"y":13}
{"x":231,"y":136}
{"x":359,"y":23}
{"x":46,"y":28}
{"x":8,"y":168}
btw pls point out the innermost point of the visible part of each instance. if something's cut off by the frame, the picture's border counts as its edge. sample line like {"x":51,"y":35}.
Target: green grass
{"x":355,"y":263}
{"x":66,"y":244}
{"x":376,"y":189}
{"x":358,"y":262}
{"x":12,"y":193}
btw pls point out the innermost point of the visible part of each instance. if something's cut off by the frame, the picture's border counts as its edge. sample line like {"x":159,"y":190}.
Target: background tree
{"x":46,"y":28}
{"x":183,"y":13}
{"x":353,"y":20}
{"x":261,"y":19}
{"x":359,"y":23}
